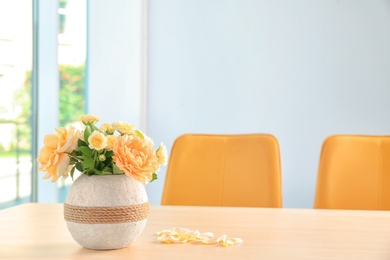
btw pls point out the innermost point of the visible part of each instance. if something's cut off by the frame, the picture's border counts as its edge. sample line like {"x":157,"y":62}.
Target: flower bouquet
{"x":117,"y":148}
{"x":107,"y":205}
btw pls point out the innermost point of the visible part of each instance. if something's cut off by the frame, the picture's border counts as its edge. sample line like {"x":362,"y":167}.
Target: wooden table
{"x":38,"y":231}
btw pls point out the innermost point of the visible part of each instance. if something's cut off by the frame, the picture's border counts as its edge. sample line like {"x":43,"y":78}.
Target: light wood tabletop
{"x":38,"y":231}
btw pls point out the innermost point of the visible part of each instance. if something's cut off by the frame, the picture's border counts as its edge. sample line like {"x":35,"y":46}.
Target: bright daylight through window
{"x":16,"y":88}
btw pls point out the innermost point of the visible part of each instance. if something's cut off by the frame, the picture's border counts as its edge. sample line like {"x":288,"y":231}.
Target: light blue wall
{"x":46,"y":71}
{"x":301,"y":70}
{"x":114,"y":63}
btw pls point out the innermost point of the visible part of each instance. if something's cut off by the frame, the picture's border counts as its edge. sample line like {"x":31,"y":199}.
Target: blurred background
{"x":300,"y":70}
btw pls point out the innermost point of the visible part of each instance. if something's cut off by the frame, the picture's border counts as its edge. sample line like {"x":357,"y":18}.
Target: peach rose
{"x":107,"y":128}
{"x":162,"y":154}
{"x":110,"y":142}
{"x":53,"y":157}
{"x":97,"y":141}
{"x":89,"y":119}
{"x":123,"y":128}
{"x":136,"y":157}
{"x":81,"y":136}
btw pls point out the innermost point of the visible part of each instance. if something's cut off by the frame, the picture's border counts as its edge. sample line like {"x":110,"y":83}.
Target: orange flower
{"x":97,"y":141}
{"x":162,"y":154}
{"x":123,"y":128}
{"x":89,"y":119}
{"x":107,"y":128}
{"x":136,"y":157}
{"x":53,"y":157}
{"x":110,"y":142}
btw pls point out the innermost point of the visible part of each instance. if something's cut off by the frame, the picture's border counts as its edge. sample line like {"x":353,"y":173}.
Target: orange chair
{"x":224,"y":170}
{"x":354,"y":173}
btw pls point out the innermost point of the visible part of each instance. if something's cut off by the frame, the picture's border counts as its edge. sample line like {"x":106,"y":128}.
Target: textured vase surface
{"x":107,"y":211}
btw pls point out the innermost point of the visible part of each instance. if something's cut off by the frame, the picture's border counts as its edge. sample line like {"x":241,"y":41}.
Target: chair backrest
{"x":354,"y":173}
{"x":224,"y":170}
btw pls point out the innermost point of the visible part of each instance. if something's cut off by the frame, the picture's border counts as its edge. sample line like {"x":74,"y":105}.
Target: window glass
{"x":15,"y":101}
{"x":16,"y":46}
{"x":71,"y":60}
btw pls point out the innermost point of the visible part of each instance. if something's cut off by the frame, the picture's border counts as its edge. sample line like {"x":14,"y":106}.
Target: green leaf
{"x":72,"y":160}
{"x":72,"y":172}
{"x":93,"y":127}
{"x":85,"y":150}
{"x":79,"y":167}
{"x":139,"y":134}
{"x":88,"y":163}
{"x":108,"y":161}
{"x":106,"y":169}
{"x":107,"y":172}
{"x":100,"y":166}
{"x":109,"y":154}
{"x":81,"y":142}
{"x":154,"y":177}
{"x":81,"y":157}
{"x":87,"y":133}
{"x":97,"y":171}
{"x":116,"y":170}
{"x":89,"y":172}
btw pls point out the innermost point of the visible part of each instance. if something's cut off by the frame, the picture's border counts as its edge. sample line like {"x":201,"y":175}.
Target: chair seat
{"x":354,"y":173}
{"x":224,"y":170}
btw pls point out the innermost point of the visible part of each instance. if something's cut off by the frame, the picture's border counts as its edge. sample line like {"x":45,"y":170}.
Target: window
{"x":16,"y":87}
{"x":71,"y":61}
{"x":15,"y":101}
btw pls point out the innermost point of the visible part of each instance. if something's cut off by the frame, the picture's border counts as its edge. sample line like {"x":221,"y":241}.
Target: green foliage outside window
{"x":72,"y":94}
{"x":71,"y":103}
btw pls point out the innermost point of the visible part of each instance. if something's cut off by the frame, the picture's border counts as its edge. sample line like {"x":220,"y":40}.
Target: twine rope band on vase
{"x":106,"y":215}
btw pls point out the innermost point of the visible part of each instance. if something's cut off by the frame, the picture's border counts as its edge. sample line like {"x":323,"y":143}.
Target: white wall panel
{"x":301,"y":70}
{"x":114,"y":60}
{"x":48,"y":85}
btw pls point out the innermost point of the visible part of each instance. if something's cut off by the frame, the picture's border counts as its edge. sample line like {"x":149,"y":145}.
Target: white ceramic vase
{"x":106,"y":211}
